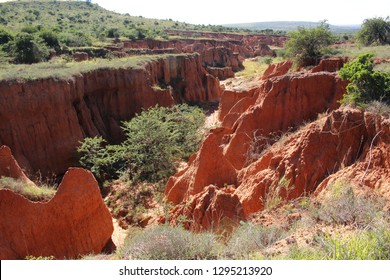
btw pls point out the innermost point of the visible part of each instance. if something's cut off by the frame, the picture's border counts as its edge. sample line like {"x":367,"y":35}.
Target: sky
{"x":338,"y":12}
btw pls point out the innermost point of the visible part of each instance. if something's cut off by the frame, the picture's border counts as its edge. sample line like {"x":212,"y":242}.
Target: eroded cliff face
{"x":43,"y":121}
{"x":73,"y":223}
{"x":273,"y":142}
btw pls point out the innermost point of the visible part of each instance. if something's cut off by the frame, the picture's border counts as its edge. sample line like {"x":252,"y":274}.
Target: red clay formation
{"x":9,"y":166}
{"x":252,"y":152}
{"x":213,"y":208}
{"x":73,"y":223}
{"x":43,"y":121}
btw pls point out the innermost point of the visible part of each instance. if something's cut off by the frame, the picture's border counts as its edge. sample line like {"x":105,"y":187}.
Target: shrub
{"x":249,"y":239}
{"x":27,"y":48}
{"x":342,"y":206}
{"x":103,"y":160}
{"x":307,"y":44}
{"x":169,"y":243}
{"x":76,"y":39}
{"x":50,"y":38}
{"x":5,"y":36}
{"x":365,"y":84}
{"x":375,"y":31}
{"x":156,"y":140}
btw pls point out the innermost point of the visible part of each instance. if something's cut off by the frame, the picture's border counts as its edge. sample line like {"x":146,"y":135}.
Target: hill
{"x":291,"y":25}
{"x":71,"y":17}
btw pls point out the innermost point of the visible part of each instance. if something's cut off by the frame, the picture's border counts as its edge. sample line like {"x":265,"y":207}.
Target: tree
{"x":156,"y":140}
{"x":365,"y":84}
{"x":375,"y":31}
{"x":50,"y":38}
{"x":307,"y":45}
{"x":28,"y":48}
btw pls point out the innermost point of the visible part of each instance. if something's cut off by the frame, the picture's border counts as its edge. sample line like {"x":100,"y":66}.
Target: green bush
{"x":28,"y":48}
{"x":5,"y":36}
{"x":156,"y":140}
{"x":50,"y":38}
{"x":375,"y":31}
{"x":307,"y":45}
{"x":365,"y":84}
{"x":75,"y":39}
{"x":103,"y":160}
{"x":169,"y":243}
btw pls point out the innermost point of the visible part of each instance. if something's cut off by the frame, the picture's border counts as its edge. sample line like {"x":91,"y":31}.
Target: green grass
{"x":360,"y":245}
{"x":61,"y":69}
{"x":256,"y":68}
{"x":355,"y":51}
{"x":30,"y":191}
{"x":69,"y":17}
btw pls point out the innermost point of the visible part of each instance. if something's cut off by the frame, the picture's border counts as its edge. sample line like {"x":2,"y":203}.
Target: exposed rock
{"x":9,"y":166}
{"x":73,"y":223}
{"x":264,"y":50}
{"x":205,"y":168}
{"x":221,"y":73}
{"x":42,"y":121}
{"x":278,"y":69}
{"x":297,"y":165}
{"x":214,"y":208}
{"x":371,"y":169}
{"x":332,"y":64}
{"x":255,"y":120}
{"x":80,"y":56}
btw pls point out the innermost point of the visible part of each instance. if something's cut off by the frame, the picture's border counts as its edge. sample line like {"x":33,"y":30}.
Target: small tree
{"x":50,"y":38}
{"x":307,"y":45}
{"x":375,"y":31}
{"x":27,"y":48}
{"x":365,"y":84}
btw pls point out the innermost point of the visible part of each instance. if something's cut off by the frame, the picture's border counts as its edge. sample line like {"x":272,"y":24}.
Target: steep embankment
{"x":260,"y":152}
{"x":42,"y":121}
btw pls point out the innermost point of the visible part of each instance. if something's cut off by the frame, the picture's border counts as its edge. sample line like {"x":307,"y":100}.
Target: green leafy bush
{"x":102,"y":159}
{"x":375,"y":31}
{"x":307,"y":45}
{"x":156,"y":140}
{"x":365,"y":84}
{"x":5,"y":36}
{"x":28,"y":48}
{"x":50,"y":38}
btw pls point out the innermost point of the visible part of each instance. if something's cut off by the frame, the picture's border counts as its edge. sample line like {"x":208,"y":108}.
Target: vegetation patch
{"x":308,"y":45}
{"x":365,"y":84}
{"x":30,"y":191}
{"x":63,"y":69}
{"x":169,"y":243}
{"x":156,"y":140}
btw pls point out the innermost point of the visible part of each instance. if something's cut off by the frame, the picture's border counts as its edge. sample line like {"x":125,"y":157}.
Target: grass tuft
{"x":30,"y":191}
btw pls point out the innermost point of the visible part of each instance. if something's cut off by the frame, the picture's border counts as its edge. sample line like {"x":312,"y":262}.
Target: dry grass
{"x":30,"y":191}
{"x":256,"y":67}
